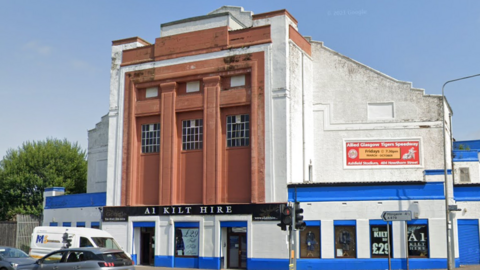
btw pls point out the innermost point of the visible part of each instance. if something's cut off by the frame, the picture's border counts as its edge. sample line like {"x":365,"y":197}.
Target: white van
{"x":47,"y":239}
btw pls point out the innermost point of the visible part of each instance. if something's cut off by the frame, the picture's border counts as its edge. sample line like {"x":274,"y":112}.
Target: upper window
{"x":310,"y":242}
{"x":464,"y":175}
{"x":151,"y":92}
{"x":192,"y":134}
{"x":151,"y":138}
{"x":237,"y":81}
{"x":238,"y":130}
{"x":380,"y":111}
{"x":193,"y":86}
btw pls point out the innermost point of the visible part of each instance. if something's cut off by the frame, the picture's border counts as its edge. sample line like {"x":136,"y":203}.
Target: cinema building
{"x":226,"y":116}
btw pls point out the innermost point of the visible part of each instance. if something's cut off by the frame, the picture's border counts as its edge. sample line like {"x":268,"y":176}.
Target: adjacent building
{"x":229,"y":115}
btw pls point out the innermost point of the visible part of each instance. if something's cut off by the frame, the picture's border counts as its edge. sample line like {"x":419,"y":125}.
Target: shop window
{"x":151,"y":138}
{"x":192,"y":134}
{"x":186,"y":241}
{"x":379,"y":247}
{"x":345,"y":239}
{"x":417,"y":235}
{"x":151,"y":92}
{"x":310,"y":242}
{"x":238,"y":130}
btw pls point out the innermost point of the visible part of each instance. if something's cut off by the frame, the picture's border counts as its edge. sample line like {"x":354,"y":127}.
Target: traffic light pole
{"x":293,"y":264}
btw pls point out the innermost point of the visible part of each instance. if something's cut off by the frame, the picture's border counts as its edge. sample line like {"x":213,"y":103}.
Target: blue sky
{"x":55,"y":55}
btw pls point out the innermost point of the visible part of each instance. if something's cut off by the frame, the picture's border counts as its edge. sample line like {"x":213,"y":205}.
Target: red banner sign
{"x":382,"y":153}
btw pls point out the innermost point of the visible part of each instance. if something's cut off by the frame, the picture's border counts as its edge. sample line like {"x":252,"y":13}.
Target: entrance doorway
{"x":147,"y":246}
{"x":237,"y":248}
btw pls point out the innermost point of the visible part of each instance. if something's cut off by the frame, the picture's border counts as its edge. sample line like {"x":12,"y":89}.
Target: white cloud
{"x":37,"y":47}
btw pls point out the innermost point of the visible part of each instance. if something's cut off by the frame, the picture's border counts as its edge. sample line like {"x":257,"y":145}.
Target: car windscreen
{"x":105,"y":242}
{"x":12,"y":253}
{"x":111,"y":257}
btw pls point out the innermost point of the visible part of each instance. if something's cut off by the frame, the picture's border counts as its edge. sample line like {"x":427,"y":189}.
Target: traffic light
{"x":299,"y":223}
{"x":66,"y":241}
{"x":285,"y":217}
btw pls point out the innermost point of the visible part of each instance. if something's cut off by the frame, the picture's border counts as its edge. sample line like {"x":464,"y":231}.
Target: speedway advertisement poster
{"x":382,"y":153}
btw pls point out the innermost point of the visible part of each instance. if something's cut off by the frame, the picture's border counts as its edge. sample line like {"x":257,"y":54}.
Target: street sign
{"x":454,"y":208}
{"x":397,"y":215}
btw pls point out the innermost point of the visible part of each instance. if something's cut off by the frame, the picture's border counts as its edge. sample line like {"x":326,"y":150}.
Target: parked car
{"x":11,"y":257}
{"x":82,"y":258}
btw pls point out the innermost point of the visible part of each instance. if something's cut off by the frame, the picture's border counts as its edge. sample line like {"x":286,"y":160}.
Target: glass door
{"x":237,"y":251}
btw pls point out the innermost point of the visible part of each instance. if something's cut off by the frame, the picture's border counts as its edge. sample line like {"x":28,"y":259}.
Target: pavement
{"x":143,"y":267}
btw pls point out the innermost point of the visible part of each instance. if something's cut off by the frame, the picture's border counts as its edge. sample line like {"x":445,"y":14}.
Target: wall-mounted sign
{"x":259,"y":212}
{"x":382,"y":153}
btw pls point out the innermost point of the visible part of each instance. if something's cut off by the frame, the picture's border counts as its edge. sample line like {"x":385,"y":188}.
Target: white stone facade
{"x":314,"y":105}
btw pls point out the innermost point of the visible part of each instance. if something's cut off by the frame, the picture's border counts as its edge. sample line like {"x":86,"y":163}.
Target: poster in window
{"x":345,"y":242}
{"x":310,"y":242}
{"x":417,"y":241}
{"x":379,"y":241}
{"x":186,"y":242}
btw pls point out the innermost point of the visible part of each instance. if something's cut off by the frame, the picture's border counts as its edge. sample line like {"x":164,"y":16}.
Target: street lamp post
{"x":450,"y":255}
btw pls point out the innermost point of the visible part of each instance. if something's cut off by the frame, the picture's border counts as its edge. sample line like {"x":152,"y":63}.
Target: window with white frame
{"x":192,"y":134}
{"x":151,"y":138}
{"x":238,"y":130}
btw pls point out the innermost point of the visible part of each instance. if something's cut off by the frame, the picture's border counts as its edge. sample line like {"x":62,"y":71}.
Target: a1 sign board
{"x":397,"y":215}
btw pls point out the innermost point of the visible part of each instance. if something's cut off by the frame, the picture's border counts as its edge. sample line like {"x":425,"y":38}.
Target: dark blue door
{"x":468,"y":241}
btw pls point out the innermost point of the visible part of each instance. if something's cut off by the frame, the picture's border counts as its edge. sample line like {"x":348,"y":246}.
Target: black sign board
{"x":259,"y":212}
{"x":418,"y":241}
{"x":379,"y":240}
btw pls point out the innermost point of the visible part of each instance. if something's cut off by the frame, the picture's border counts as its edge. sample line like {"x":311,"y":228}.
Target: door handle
{"x":240,"y":252}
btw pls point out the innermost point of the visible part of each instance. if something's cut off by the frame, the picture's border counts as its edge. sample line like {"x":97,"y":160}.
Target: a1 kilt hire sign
{"x":382,"y":153}
{"x":259,"y":212}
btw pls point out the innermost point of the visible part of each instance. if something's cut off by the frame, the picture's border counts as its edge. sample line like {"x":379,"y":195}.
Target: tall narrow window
{"x":151,"y":138}
{"x":345,"y":239}
{"x":379,"y":240}
{"x":310,"y":242}
{"x":417,"y":236}
{"x":192,"y":134}
{"x":238,"y":130}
